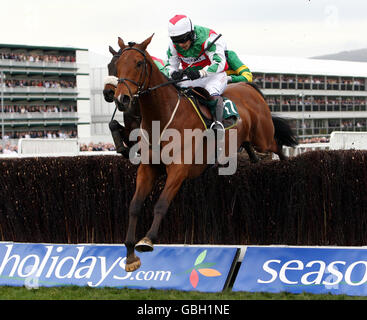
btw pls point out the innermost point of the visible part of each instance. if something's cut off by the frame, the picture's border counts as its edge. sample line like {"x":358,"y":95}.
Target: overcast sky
{"x":299,"y":28}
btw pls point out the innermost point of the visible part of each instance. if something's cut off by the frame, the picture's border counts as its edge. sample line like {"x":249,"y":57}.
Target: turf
{"x":86,"y":293}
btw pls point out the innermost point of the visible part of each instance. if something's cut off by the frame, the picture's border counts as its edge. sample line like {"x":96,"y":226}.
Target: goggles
{"x":182,"y":38}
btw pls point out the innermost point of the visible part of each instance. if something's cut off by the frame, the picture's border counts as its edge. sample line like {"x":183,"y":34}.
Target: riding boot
{"x":116,"y":128}
{"x":217,"y":126}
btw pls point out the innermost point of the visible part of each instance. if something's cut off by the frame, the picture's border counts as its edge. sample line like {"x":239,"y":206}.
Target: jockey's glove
{"x":192,"y":74}
{"x":177,"y":75}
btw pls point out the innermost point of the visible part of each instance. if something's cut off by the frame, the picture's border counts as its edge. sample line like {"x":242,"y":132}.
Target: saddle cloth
{"x":198,"y":99}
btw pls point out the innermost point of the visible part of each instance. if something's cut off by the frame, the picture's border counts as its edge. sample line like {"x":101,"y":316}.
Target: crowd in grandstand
{"x":293,"y":103}
{"x":307,"y":82}
{"x":314,"y":140}
{"x":40,"y":83}
{"x":97,"y":147}
{"x":39,"y":108}
{"x":63,"y":134}
{"x":9,"y":148}
{"x":37,"y":57}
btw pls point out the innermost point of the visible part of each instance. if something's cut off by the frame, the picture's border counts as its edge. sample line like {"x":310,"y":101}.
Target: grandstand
{"x":320,"y":96}
{"x":46,"y":91}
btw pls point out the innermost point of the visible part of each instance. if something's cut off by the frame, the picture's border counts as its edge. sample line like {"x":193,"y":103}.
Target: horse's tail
{"x":283,"y":132}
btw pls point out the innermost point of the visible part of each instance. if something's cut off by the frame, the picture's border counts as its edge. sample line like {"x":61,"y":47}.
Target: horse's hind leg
{"x":144,"y":184}
{"x":280,"y":153}
{"x":250,"y":151}
{"x":175,"y":177}
{"x":277,"y":148}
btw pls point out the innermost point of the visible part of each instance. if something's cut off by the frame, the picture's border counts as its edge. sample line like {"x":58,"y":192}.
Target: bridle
{"x":144,"y":75}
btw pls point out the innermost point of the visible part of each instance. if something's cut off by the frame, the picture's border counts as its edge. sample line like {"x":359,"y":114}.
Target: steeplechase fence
{"x":315,"y":198}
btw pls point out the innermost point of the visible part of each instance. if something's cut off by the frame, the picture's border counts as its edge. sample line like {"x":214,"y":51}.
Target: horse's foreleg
{"x":120,"y":137}
{"x":120,"y":134}
{"x":130,"y":124}
{"x":173,"y":183}
{"x":144,"y":184}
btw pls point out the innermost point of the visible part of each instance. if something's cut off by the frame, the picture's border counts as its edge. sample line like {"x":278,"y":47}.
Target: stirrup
{"x":217,"y":123}
{"x":219,"y":136}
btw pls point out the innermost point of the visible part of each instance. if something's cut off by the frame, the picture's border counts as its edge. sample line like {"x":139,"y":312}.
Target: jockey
{"x":237,"y":71}
{"x":187,"y":43}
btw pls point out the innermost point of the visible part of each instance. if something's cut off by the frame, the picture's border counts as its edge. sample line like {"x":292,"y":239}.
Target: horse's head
{"x":110,"y":83}
{"x":134,"y":68}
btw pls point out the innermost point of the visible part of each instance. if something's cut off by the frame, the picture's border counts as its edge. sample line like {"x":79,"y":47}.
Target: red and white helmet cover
{"x":179,"y":25}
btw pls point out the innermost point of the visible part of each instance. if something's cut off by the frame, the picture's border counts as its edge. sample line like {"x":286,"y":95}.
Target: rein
{"x":164,"y":84}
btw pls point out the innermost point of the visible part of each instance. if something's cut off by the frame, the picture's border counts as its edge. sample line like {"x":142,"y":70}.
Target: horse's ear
{"x":145,"y":43}
{"x":121,"y":43}
{"x":112,"y":51}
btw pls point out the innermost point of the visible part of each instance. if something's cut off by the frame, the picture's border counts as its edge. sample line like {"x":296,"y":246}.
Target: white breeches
{"x":215,"y":84}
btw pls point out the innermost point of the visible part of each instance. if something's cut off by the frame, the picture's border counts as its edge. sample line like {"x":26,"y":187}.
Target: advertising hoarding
{"x":167,"y":267}
{"x":303,"y":269}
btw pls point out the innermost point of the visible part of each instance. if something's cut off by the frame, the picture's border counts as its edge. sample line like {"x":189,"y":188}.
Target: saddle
{"x":199,"y":98}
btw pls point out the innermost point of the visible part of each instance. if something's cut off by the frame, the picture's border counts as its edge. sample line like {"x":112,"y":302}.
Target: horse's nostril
{"x":108,"y":95}
{"x":125,"y":100}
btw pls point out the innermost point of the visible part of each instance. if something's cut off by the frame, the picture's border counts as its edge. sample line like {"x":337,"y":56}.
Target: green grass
{"x":86,"y":293}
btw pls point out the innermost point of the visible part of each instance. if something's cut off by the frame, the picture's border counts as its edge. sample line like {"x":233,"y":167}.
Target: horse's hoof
{"x":133,"y":265}
{"x":144,"y":245}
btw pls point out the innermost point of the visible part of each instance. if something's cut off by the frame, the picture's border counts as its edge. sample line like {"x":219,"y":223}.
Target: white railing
{"x":348,"y":140}
{"x":38,"y":147}
{"x":64,"y":154}
{"x":339,"y":140}
{"x":48,"y":146}
{"x":302,"y":148}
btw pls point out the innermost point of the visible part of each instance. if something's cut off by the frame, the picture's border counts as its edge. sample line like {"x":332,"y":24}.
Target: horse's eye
{"x":139,"y":64}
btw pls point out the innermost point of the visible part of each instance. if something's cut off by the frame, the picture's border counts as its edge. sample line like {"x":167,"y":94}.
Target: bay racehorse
{"x":140,"y":79}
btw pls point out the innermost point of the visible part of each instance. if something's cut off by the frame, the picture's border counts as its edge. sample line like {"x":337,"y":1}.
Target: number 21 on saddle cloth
{"x":199,"y":102}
